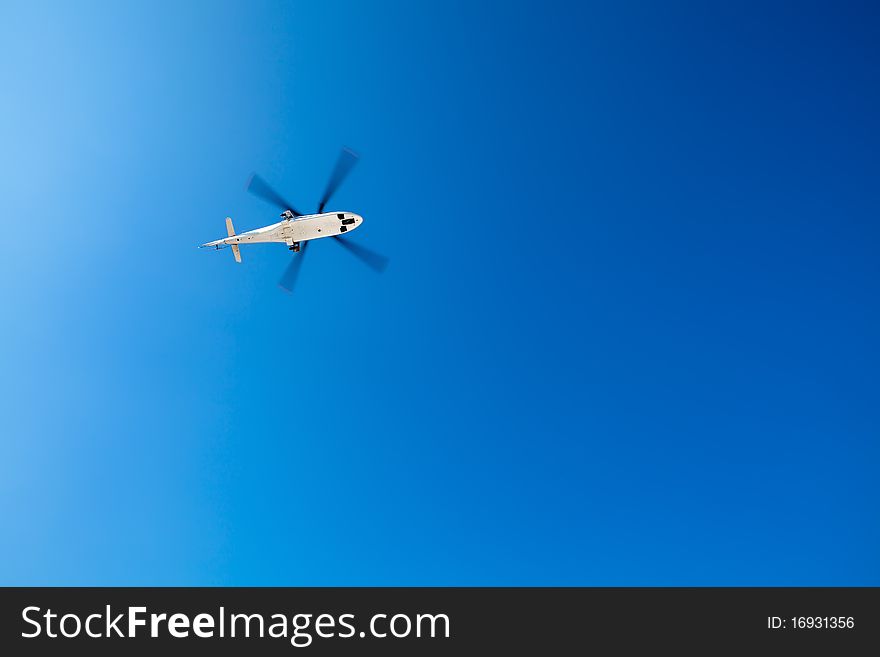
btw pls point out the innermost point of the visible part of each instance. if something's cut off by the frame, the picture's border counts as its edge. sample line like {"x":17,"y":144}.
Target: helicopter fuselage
{"x":291,"y":231}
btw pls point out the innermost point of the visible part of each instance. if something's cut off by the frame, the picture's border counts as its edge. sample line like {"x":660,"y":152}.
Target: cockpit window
{"x":347,"y":222}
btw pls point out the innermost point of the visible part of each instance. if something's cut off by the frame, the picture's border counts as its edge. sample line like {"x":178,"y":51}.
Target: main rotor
{"x":257,"y":186}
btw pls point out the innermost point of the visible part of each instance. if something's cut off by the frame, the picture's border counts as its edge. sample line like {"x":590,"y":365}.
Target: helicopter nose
{"x":349,"y":221}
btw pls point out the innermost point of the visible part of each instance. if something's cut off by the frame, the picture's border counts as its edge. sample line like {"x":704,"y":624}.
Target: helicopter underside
{"x":293,"y":231}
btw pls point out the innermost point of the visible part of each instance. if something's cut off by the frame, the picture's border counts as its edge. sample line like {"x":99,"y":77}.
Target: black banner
{"x":433,"y":621}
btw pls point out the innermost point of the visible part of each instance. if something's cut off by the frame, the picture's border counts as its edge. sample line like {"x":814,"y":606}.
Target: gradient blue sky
{"x":628,"y":335}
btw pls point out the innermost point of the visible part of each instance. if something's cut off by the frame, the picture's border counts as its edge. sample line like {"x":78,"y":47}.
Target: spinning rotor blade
{"x":288,"y":278}
{"x":373,"y":260}
{"x":259,"y":187}
{"x":347,"y":159}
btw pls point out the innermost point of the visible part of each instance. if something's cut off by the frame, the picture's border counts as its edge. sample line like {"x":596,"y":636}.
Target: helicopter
{"x":296,"y":229}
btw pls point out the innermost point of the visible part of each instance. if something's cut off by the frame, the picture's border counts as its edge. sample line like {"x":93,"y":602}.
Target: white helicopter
{"x":296,"y":229}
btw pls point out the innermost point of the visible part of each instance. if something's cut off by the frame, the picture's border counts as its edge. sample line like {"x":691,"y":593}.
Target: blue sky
{"x":628,"y":335}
